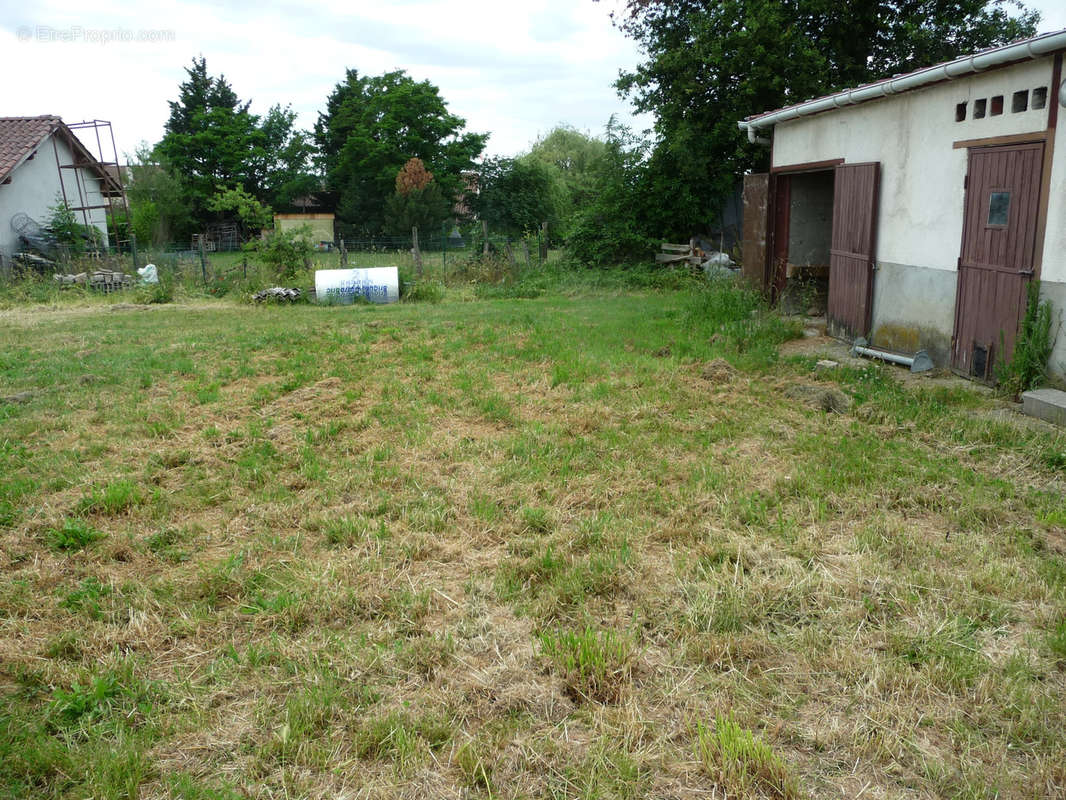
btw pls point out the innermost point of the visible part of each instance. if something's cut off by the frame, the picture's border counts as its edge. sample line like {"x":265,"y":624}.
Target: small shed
{"x":918,"y":208}
{"x":321,"y":225}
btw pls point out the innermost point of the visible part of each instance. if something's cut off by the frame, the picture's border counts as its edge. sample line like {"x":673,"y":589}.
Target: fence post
{"x":344,"y":255}
{"x":525,"y":250}
{"x":244,"y":266}
{"x":443,"y":250}
{"x":133,"y":249}
{"x":416,"y":251}
{"x":485,"y":237}
{"x":510,"y":252}
{"x":203,"y":260}
{"x":543,"y":243}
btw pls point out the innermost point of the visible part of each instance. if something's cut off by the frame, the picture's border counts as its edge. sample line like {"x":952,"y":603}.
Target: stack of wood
{"x":681,"y":254}
{"x":693,"y":255}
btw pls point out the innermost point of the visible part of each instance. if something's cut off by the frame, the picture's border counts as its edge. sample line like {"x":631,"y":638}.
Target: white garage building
{"x":922,"y":205}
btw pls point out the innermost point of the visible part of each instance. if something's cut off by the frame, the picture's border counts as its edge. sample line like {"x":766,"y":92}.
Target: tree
{"x":253,"y":215}
{"x":710,"y":63}
{"x":284,"y":171}
{"x":418,"y":200}
{"x":371,"y":127}
{"x":573,"y":158}
{"x":159,"y":206}
{"x":613,"y":226}
{"x":516,"y":195}
{"x":211,"y":140}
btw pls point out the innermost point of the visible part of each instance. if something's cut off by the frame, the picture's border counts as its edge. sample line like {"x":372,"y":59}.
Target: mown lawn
{"x":549,"y":547}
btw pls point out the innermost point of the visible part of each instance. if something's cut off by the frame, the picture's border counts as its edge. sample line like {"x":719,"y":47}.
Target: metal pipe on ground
{"x":919,"y":362}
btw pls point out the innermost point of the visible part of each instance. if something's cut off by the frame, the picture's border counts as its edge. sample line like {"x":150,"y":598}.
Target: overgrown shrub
{"x":77,"y":238}
{"x":424,"y":291}
{"x":285,"y":252}
{"x":737,"y":319}
{"x":161,"y":292}
{"x":1027,"y":367}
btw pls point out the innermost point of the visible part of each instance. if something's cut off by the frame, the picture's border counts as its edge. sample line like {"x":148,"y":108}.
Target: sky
{"x":514,"y":70}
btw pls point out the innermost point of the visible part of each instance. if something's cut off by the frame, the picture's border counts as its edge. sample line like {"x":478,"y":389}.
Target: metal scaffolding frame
{"x":111,"y":185}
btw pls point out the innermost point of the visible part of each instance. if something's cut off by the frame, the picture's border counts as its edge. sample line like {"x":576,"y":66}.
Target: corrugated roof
{"x":1035,"y":47}
{"x":19,"y":136}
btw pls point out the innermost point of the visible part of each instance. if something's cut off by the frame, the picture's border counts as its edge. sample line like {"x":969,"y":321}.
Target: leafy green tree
{"x":573,"y":158}
{"x":418,"y":200}
{"x":159,"y":206}
{"x":285,"y":169}
{"x":253,"y":215}
{"x":370,"y":128}
{"x":613,"y":227}
{"x":710,"y":63}
{"x":211,"y":139}
{"x":516,"y":195}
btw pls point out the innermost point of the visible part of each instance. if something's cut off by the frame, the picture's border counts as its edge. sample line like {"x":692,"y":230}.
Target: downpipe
{"x":919,"y":362}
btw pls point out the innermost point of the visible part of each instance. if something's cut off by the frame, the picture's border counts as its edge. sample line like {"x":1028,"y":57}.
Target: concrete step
{"x":1045,"y":404}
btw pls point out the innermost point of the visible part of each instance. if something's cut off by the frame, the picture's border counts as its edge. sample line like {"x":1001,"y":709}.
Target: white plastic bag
{"x":148,"y":274}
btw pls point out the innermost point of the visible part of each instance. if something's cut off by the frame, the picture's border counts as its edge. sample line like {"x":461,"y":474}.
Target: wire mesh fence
{"x":446,"y":255}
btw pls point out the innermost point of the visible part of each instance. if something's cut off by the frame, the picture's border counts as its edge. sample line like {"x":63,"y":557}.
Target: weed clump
{"x":743,"y":764}
{"x":595,"y":666}
{"x":73,"y":534}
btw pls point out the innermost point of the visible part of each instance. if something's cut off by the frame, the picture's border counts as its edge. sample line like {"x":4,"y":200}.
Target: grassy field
{"x":588,"y":545}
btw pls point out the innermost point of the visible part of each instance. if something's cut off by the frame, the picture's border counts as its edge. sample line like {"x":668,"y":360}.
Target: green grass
{"x":73,"y":534}
{"x":561,"y":535}
{"x":742,"y":763}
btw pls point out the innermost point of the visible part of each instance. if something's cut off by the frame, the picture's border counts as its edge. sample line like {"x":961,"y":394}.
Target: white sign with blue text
{"x":342,"y":286}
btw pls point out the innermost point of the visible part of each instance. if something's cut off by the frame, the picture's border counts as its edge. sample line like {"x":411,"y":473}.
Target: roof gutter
{"x":1029,"y":49}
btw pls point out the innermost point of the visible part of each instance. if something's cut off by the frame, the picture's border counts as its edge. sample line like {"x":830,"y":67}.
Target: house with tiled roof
{"x":43,"y":164}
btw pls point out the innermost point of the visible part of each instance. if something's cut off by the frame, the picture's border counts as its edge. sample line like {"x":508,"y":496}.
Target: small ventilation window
{"x":1039,"y":98}
{"x":1019,"y":102}
{"x":980,"y":107}
{"x":960,"y":112}
{"x":998,"y":209}
{"x":997,"y":105}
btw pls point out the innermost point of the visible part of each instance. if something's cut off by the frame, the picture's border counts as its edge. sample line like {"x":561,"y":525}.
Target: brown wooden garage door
{"x":851,"y":256}
{"x":996,"y":263}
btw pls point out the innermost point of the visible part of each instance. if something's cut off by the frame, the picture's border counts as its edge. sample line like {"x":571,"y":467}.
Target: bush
{"x":152,"y":293}
{"x":1027,"y":368}
{"x":285,"y":252}
{"x":424,"y":291}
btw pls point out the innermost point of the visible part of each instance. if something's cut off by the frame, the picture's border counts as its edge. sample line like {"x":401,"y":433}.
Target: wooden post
{"x":344,"y":255}
{"x":133,"y":249}
{"x":525,"y":250}
{"x":416,"y":251}
{"x":510,"y":253}
{"x":203,"y":260}
{"x":543,"y":243}
{"x":244,"y":266}
{"x":485,"y":237}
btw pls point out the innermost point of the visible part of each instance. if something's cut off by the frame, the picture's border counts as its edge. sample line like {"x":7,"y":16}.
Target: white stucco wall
{"x":35,"y":187}
{"x":1054,"y":266}
{"x":911,"y":134}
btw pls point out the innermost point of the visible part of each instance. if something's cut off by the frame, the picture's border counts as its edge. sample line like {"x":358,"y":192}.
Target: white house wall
{"x":919,"y":231}
{"x":35,"y":187}
{"x":1053,"y":269}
